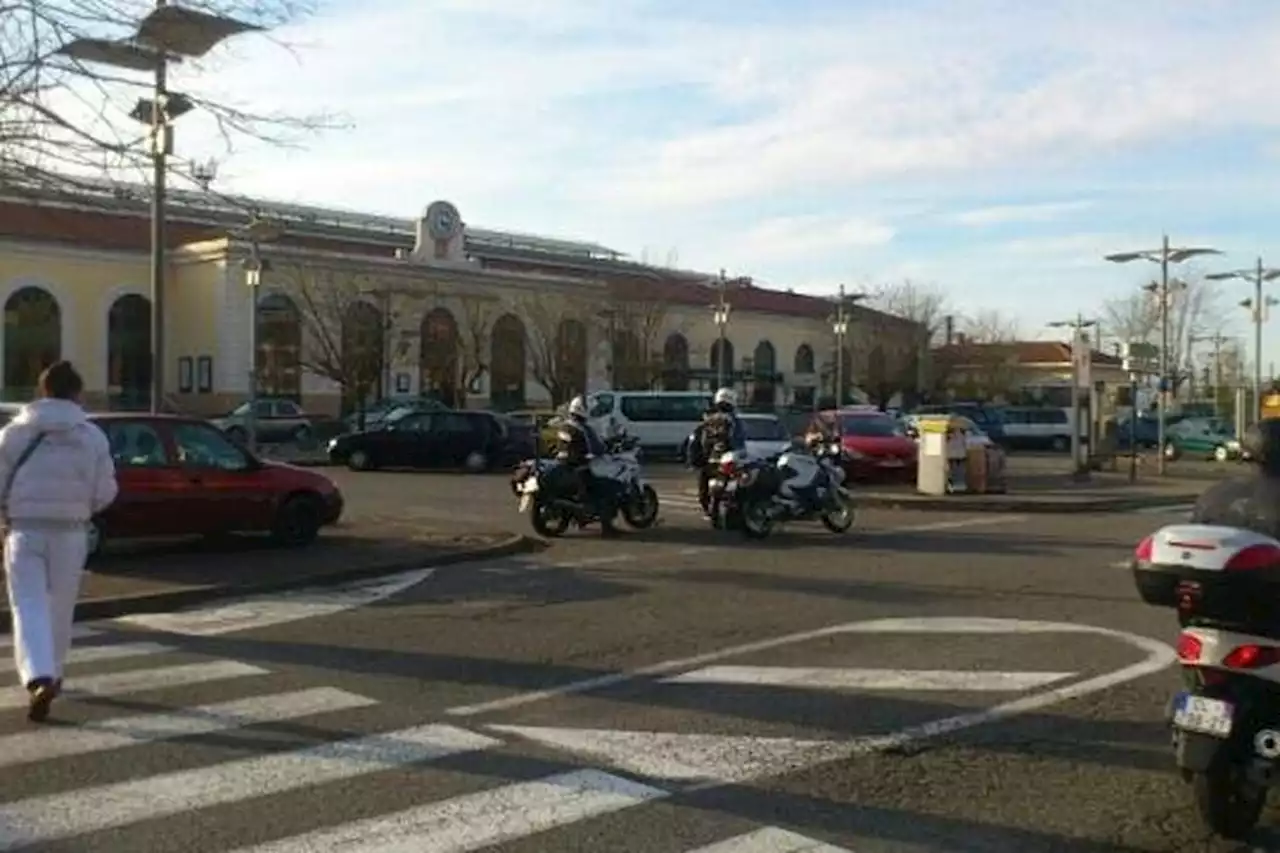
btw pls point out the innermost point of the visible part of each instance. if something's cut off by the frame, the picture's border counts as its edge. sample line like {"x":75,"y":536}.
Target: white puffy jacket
{"x":69,"y":478}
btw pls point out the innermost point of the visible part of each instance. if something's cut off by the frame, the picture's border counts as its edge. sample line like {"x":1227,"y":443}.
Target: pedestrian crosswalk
{"x":114,"y":797}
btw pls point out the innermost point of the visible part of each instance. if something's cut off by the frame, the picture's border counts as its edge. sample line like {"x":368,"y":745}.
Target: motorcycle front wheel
{"x":756,"y":521}
{"x":839,"y":518}
{"x":641,"y":510}
{"x":1229,"y":805}
{"x":548,"y":520}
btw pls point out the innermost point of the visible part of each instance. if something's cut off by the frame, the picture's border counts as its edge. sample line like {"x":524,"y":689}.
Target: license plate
{"x":525,"y":500}
{"x":1203,"y":715}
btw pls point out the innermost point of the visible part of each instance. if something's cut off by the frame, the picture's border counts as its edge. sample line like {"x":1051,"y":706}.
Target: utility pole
{"x":1258,"y":306}
{"x":1080,"y":352}
{"x":720,"y":312}
{"x":1164,"y":256}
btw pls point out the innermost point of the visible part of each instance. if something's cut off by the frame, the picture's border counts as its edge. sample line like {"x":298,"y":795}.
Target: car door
{"x":152,"y":490}
{"x":453,"y":436}
{"x":404,"y":442}
{"x":222,"y":496}
{"x":290,"y":419}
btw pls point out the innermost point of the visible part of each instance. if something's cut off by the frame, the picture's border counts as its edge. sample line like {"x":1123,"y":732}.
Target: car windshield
{"x":880,"y":426}
{"x":764,"y":429}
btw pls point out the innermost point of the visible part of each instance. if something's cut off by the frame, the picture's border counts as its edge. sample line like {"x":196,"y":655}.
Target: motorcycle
{"x":755,"y":494}
{"x":1223,"y":584}
{"x":548,"y":490}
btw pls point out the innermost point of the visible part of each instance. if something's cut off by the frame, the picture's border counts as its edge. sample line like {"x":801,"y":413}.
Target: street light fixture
{"x":1078,"y":340}
{"x":1258,"y":305}
{"x":166,"y":35}
{"x":1163,"y":256}
{"x":257,"y":232}
{"x":720,"y":314}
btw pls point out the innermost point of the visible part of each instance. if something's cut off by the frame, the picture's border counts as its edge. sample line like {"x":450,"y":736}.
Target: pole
{"x":255,"y":278}
{"x":1257,"y":342}
{"x":1164,"y":353}
{"x":1133,"y":427}
{"x":839,"y":389}
{"x":720,"y":323}
{"x":1217,"y":375}
{"x":1075,"y":395}
{"x":159,"y":168}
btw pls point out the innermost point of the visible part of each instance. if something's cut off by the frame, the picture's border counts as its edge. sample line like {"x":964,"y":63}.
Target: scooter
{"x":1224,"y":584}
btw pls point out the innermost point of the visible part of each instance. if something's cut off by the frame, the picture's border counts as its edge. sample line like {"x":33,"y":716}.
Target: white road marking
{"x":1120,"y":564}
{"x":264,"y":611}
{"x":838,"y":678}
{"x":95,"y":654}
{"x":480,"y":820}
{"x":59,"y":816}
{"x":1174,"y":509}
{"x":770,"y":840}
{"x":100,"y":736}
{"x":138,"y":680}
{"x":685,"y":758}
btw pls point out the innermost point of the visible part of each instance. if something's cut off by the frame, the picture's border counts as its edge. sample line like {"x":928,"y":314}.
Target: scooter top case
{"x":1212,"y":575}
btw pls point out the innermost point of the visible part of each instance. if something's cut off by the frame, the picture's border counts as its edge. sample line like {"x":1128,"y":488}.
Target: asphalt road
{"x":668,"y":692}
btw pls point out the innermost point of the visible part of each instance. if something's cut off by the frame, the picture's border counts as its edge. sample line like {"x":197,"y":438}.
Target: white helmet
{"x":726,"y":396}
{"x":578,"y":407}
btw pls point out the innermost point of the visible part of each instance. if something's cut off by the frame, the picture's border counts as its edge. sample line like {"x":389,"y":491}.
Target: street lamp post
{"x":1164,"y":256}
{"x":257,"y":232}
{"x":166,"y":35}
{"x":1078,"y":340}
{"x":1217,"y":340}
{"x":720,"y":312}
{"x":840,"y":328}
{"x":1259,"y":305}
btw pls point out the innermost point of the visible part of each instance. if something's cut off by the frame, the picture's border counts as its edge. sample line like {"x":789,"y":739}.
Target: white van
{"x":661,"y":420}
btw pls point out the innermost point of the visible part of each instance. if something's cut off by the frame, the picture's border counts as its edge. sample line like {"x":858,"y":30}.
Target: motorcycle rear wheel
{"x":547,"y":520}
{"x":840,"y":518}
{"x":755,"y":519}
{"x":1228,"y":804}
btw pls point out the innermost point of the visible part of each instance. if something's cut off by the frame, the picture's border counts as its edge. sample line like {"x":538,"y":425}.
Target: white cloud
{"x":1018,"y":213}
{"x":800,"y":236}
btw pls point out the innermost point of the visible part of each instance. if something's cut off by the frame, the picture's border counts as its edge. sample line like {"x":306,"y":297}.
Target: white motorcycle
{"x":756,"y":494}
{"x":1224,"y":584}
{"x":549,"y":491}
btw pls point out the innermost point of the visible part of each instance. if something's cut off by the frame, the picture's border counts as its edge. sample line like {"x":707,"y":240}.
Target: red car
{"x":182,"y":476}
{"x":874,"y":443}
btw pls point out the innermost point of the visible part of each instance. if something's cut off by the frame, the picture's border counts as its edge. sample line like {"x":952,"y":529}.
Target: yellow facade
{"x":208,"y":326}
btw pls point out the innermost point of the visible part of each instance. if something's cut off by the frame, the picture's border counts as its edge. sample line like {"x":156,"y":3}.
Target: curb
{"x":960,"y":504}
{"x":165,"y":601}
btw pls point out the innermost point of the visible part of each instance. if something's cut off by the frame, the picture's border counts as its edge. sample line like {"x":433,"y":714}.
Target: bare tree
{"x":920,"y":303}
{"x":63,"y":118}
{"x":556,"y":328}
{"x":352,"y":332}
{"x":474,"y":338}
{"x":1193,"y":311}
{"x":636,"y":320}
{"x":982,"y":363}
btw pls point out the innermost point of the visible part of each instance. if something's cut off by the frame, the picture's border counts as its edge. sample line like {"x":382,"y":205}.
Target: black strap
{"x":13,"y":472}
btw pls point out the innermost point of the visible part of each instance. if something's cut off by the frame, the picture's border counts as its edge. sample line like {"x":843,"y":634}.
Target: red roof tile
{"x":1025,"y":352}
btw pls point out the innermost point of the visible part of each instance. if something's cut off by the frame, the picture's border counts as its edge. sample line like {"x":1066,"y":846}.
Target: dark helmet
{"x":1262,"y":442}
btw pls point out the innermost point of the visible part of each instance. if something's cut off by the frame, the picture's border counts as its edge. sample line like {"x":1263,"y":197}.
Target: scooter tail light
{"x":1189,"y":648}
{"x":726,"y":468}
{"x":1146,"y":547}
{"x":1254,"y":557}
{"x":1252,"y":656}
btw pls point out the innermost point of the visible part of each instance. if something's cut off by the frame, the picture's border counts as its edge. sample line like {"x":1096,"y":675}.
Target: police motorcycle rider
{"x":721,"y":431}
{"x":579,"y":444}
{"x":1250,"y":501}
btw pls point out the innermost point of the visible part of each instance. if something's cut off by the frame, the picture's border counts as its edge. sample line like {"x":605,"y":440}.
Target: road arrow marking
{"x":771,"y":840}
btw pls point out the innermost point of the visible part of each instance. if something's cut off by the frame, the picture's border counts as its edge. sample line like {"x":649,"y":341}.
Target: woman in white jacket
{"x":57,"y":473}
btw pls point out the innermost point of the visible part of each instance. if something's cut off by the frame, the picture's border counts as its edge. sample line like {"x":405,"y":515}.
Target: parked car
{"x":475,"y":441}
{"x":875,"y":444}
{"x":1201,"y":438}
{"x":988,"y":418}
{"x":1142,"y":432}
{"x":378,"y":412}
{"x":766,"y":436}
{"x":276,"y":420}
{"x":182,"y":476}
{"x":1037,"y":428}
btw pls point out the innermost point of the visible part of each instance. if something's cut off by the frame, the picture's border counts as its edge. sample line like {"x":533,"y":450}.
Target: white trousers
{"x":44,"y":568}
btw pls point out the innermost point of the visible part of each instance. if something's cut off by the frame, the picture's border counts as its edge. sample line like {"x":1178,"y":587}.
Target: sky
{"x":994,"y":149}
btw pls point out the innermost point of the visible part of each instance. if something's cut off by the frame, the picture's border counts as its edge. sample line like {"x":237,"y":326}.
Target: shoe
{"x":43,"y":691}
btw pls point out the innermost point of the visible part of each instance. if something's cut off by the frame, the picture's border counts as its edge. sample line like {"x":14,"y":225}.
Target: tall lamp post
{"x":165,"y":36}
{"x":1258,"y":305}
{"x":720,"y":313}
{"x":1164,"y":256}
{"x":1078,"y":340}
{"x":257,"y":232}
{"x":840,"y":328}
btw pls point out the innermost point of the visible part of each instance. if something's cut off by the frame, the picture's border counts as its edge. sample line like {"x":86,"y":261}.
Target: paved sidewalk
{"x":163,"y":577}
{"x":1102,"y":492}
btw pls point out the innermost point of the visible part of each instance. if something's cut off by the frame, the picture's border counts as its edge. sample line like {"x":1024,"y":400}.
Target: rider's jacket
{"x":721,"y":430}
{"x":578,"y":442}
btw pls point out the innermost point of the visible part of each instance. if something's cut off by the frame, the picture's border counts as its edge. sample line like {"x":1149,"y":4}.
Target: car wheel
{"x":301,"y":435}
{"x":359,"y":460}
{"x":476,"y":462}
{"x":297,"y":522}
{"x":1170,"y":450}
{"x":1059,"y":444}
